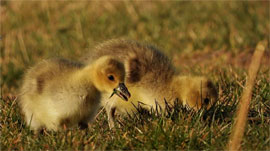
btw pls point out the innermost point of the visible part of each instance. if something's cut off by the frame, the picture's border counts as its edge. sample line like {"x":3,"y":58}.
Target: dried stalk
{"x":243,"y":107}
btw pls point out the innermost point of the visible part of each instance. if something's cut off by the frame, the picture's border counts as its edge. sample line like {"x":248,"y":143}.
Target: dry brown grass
{"x":243,"y":107}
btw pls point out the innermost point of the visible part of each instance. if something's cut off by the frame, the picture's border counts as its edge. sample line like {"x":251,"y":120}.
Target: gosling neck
{"x":88,"y":76}
{"x":177,"y":86}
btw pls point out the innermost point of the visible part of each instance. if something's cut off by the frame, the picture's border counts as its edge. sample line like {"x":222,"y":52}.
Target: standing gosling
{"x":59,"y":92}
{"x":151,"y":78}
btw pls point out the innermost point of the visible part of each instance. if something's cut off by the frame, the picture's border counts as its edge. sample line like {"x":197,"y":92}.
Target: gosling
{"x":59,"y":92}
{"x":151,"y":78}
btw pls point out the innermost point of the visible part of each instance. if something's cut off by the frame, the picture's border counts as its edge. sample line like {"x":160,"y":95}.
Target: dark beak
{"x":121,"y":91}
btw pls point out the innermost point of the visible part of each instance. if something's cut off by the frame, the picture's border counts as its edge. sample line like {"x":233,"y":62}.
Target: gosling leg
{"x":111,"y":116}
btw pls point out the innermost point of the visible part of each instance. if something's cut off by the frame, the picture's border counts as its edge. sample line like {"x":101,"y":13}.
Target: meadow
{"x":214,"y":38}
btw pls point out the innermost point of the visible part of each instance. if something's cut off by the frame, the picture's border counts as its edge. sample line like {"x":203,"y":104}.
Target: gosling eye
{"x":206,"y":101}
{"x":111,"y":77}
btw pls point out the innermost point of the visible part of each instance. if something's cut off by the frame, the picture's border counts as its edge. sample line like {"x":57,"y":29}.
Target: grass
{"x":216,"y":39}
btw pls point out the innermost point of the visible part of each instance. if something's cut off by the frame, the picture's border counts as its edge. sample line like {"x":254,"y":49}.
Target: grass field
{"x":215,"y":39}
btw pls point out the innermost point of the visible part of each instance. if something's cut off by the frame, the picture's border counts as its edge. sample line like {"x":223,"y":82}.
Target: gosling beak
{"x":121,"y":91}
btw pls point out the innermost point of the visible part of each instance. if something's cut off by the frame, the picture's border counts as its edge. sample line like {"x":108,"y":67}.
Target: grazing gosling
{"x":59,"y":92}
{"x":151,"y":78}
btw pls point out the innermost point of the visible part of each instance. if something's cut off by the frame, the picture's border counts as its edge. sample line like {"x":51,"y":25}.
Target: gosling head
{"x":110,"y":75}
{"x":196,"y":92}
{"x":208,"y":94}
